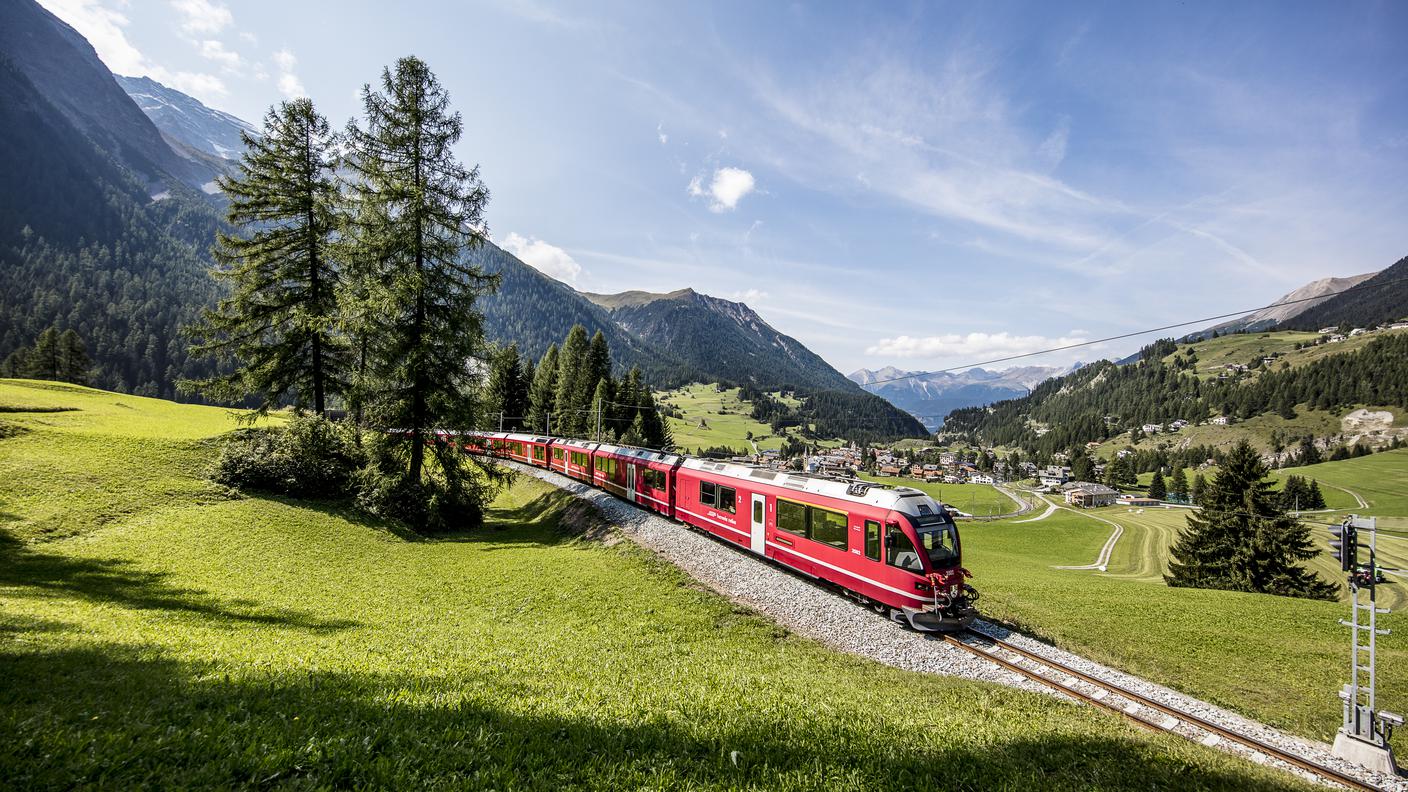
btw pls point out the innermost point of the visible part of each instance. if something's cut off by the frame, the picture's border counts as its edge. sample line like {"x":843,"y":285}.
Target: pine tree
{"x":1242,"y":540}
{"x":573,"y":391}
{"x":279,"y":321}
{"x":1198,"y":490}
{"x":74,"y":364}
{"x":1309,"y":452}
{"x":417,"y":211}
{"x":1315,"y":499}
{"x":1178,"y":482}
{"x":601,"y":400}
{"x":506,"y":394}
{"x":1082,"y":469}
{"x":542,"y":394}
{"x":1157,"y":490}
{"x":45,"y":360}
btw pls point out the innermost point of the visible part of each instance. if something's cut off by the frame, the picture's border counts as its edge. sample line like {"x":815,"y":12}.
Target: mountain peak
{"x":186,"y":121}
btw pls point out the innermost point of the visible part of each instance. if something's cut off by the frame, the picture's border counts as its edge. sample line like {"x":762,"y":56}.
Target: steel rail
{"x":1272,"y":751}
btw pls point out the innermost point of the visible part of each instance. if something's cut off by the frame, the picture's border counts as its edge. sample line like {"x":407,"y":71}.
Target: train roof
{"x":884,"y":496}
{"x":644,"y":454}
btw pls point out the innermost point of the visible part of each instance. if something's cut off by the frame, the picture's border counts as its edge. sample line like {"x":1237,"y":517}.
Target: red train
{"x":893,"y":548}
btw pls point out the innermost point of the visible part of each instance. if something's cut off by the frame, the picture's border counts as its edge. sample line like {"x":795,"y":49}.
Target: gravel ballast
{"x":805,"y":608}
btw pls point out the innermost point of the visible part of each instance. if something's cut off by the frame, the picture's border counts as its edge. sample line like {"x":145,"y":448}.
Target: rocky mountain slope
{"x":66,"y":70}
{"x":720,"y":339}
{"x":1267,"y":318}
{"x":1383,"y":298}
{"x":932,"y":395}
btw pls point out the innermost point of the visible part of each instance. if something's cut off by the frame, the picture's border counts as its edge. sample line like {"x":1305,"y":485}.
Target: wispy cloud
{"x":288,"y":82}
{"x":202,"y":16}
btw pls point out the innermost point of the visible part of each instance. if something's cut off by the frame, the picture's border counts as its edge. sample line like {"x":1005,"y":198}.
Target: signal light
{"x":1345,"y":545}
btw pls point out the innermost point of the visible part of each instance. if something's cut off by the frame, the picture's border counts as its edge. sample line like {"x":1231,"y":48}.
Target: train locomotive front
{"x":931,"y":550}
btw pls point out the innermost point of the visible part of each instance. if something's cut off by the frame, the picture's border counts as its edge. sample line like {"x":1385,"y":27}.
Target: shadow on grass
{"x":26,"y":571}
{"x":122,"y":718}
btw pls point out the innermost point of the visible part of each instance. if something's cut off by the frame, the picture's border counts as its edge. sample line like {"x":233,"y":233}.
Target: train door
{"x":631,"y":482}
{"x":759,"y":534}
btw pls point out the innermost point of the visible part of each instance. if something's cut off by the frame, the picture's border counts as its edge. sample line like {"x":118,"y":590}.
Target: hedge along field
{"x":283,"y":644}
{"x":1277,"y":659}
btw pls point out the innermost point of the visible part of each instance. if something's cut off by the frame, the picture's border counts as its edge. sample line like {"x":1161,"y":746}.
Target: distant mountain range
{"x":108,"y":211}
{"x":930,"y":396}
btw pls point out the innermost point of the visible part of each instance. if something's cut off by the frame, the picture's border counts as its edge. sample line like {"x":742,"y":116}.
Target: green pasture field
{"x":979,"y":500}
{"x":720,"y":418}
{"x":196,"y":639}
{"x":1277,"y":659}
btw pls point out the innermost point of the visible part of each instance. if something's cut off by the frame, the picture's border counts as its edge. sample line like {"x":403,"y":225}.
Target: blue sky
{"x":923,"y":185}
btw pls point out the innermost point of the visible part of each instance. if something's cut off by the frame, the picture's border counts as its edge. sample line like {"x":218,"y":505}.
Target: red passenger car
{"x":573,"y":458}
{"x":640,"y":475}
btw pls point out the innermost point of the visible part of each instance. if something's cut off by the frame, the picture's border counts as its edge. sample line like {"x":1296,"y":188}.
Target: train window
{"x":791,"y":517}
{"x":872,"y":540}
{"x":901,"y":552}
{"x":757,"y":511}
{"x":540,"y":453}
{"x":708,"y":493}
{"x":557,"y":454}
{"x":828,"y":527}
{"x":728,"y":500}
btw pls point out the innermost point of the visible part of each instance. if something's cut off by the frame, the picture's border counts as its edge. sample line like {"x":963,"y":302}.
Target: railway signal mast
{"x":1364,"y":737}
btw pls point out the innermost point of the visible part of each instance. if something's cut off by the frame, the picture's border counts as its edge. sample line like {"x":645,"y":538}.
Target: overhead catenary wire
{"x":1122,"y":336}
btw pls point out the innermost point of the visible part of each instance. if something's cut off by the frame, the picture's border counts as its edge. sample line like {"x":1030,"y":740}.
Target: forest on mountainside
{"x":1103,"y":399}
{"x":858,"y":417}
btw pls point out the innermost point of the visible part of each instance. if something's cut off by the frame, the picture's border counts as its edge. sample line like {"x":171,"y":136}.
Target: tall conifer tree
{"x":1243,"y":540}
{"x":542,"y":394}
{"x":573,"y":390}
{"x":279,"y":321}
{"x":417,"y":210}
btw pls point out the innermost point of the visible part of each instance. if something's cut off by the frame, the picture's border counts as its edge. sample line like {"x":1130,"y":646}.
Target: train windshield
{"x":939,"y":538}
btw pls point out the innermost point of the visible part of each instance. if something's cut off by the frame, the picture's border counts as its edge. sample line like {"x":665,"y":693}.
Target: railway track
{"x":1141,"y":709}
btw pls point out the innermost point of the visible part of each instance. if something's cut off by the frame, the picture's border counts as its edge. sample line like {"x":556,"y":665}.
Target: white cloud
{"x":104,"y":27}
{"x":289,"y":84}
{"x":749,"y":296}
{"x":214,"y":50}
{"x":202,"y":16}
{"x":550,"y":260}
{"x":725,"y":190}
{"x":660,"y":133}
{"x":970,"y":346}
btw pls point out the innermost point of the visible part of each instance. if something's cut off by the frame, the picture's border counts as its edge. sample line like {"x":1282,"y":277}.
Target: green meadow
{"x":159,"y":632}
{"x":979,"y":500}
{"x":1277,"y":659}
{"x":713,"y":418}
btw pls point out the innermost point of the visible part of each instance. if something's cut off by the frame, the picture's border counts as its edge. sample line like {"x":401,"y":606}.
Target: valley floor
{"x":155,"y":631}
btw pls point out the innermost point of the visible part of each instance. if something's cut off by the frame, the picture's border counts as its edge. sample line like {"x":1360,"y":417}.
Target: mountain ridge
{"x":931,"y":396}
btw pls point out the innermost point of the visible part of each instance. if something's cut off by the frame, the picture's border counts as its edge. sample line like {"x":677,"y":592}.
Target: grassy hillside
{"x":1278,"y":659}
{"x":190,"y":640}
{"x":715,"y":418}
{"x":980,"y":500}
{"x":1215,"y":353}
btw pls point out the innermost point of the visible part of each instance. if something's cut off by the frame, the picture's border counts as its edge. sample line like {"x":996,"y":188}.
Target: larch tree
{"x":280,"y":321}
{"x":415,"y":212}
{"x":1243,"y":540}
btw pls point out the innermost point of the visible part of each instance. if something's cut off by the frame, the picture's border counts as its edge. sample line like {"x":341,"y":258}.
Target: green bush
{"x":310,"y":457}
{"x":452,"y":499}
